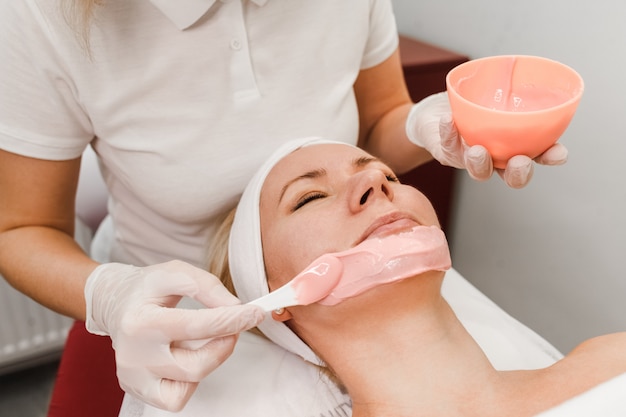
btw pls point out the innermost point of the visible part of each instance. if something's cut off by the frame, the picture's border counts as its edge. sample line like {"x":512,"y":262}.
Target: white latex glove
{"x":430,"y":126}
{"x":135,"y":306}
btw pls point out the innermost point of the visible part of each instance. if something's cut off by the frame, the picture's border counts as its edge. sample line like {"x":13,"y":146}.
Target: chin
{"x":409,"y":291}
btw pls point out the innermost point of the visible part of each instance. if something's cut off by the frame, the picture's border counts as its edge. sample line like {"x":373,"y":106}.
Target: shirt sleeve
{"x":383,"y":37}
{"x":40,"y":116}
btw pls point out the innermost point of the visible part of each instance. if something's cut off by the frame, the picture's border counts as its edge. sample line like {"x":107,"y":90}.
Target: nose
{"x":367,"y":187}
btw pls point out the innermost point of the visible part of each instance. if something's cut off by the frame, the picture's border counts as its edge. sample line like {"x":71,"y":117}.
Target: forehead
{"x":323,"y":156}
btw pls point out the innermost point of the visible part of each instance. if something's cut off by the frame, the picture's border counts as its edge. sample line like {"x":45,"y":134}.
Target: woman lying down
{"x":396,"y":348}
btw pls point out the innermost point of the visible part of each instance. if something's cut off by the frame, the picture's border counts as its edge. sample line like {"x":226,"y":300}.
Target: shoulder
{"x":589,"y":365}
{"x":609,"y":347}
{"x":592,"y":362}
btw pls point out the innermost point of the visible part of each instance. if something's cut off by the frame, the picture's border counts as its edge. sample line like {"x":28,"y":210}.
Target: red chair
{"x":86,"y":384}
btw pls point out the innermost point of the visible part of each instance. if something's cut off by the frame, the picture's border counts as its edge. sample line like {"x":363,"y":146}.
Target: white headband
{"x":245,"y":252}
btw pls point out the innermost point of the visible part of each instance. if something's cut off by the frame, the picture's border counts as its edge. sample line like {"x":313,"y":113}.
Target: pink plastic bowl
{"x":513,"y":104}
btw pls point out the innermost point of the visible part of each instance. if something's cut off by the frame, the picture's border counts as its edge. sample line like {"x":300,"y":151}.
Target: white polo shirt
{"x":183,"y":99}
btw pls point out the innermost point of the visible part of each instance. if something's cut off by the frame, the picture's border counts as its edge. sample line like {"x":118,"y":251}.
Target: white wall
{"x":553,"y":254}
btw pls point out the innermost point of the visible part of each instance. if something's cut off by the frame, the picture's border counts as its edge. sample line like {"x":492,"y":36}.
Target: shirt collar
{"x":184,"y":13}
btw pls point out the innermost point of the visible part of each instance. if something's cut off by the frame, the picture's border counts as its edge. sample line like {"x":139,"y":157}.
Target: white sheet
{"x":259,"y":379}
{"x":605,"y":400}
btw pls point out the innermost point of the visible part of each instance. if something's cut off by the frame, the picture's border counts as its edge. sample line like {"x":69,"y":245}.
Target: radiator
{"x":29,"y":332}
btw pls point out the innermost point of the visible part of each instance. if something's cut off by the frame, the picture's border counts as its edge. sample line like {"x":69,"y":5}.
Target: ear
{"x":281,"y":314}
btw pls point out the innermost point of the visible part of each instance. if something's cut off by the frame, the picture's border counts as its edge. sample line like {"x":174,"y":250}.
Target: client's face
{"x":329,"y":198}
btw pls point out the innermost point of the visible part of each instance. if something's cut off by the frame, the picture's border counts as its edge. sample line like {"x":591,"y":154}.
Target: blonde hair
{"x":79,"y":15}
{"x":217,"y":264}
{"x":217,"y":259}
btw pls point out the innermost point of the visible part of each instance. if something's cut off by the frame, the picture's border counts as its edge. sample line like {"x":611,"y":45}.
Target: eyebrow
{"x":318,"y":173}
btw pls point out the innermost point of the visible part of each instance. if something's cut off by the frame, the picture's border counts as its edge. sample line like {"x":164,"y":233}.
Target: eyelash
{"x":307,"y":199}
{"x":315,"y":195}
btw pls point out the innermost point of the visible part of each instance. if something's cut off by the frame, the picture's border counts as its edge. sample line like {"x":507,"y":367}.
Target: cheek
{"x":420,"y":205}
{"x":291,"y":246}
{"x":276,"y":260}
{"x":285,"y":248}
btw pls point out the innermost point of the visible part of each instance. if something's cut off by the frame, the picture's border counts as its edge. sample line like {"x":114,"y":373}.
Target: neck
{"x":410,"y":357}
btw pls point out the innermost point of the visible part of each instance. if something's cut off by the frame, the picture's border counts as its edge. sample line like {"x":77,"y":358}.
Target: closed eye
{"x":307,"y":198}
{"x":392,"y":178}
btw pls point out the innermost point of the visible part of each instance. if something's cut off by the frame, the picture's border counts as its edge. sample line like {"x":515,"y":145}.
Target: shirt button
{"x":235,"y":44}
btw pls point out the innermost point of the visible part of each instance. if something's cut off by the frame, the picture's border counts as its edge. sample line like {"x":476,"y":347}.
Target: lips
{"x":389,"y":225}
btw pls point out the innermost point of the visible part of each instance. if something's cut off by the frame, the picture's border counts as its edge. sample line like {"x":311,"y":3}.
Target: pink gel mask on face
{"x":379,"y":261}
